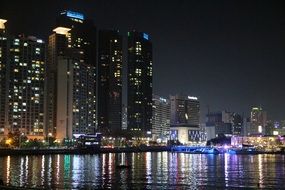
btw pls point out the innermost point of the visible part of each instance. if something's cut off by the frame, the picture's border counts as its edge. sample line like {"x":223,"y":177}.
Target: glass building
{"x":139,"y":91}
{"x":110,"y":82}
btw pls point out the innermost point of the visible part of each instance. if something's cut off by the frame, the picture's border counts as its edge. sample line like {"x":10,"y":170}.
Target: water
{"x":161,"y":170}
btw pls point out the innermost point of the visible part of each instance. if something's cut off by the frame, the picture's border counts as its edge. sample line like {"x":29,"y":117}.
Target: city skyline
{"x":142,"y":94}
{"x":231,"y":54}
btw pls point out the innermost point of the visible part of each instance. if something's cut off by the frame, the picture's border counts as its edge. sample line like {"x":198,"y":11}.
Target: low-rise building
{"x":258,"y":141}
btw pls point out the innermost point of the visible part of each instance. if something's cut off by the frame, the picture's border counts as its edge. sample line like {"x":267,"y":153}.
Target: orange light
{"x":8,"y":141}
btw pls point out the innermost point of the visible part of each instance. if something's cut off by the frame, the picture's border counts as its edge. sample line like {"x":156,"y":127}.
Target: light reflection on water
{"x":160,"y":170}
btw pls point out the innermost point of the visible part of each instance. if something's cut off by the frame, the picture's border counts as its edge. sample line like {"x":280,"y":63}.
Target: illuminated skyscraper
{"x":139,"y":83}
{"x":110,"y":82}
{"x":22,"y":97}
{"x":4,"y":43}
{"x":57,"y":44}
{"x":82,"y":34}
{"x":258,"y":121}
{"x":237,"y":122}
{"x":72,"y":48}
{"x":75,"y":101}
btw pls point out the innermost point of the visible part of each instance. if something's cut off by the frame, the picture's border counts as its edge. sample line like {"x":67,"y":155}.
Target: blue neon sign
{"x":145,"y":36}
{"x":75,"y":15}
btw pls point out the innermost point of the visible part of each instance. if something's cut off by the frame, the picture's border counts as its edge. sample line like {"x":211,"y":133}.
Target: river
{"x":150,"y":170}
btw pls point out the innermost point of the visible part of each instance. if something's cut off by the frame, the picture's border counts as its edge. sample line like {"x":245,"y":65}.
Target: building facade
{"x":237,"y":122}
{"x":185,"y":111}
{"x":110,"y":82}
{"x":258,"y":119}
{"x":75,"y":101}
{"x":22,"y":84}
{"x":184,"y":120}
{"x":161,"y":118}
{"x":4,"y":52}
{"x":57,"y":44}
{"x":71,"y":48}
{"x":124,"y":117}
{"x":260,"y":142}
{"x":139,"y":91}
{"x":246,"y":126}
{"x":219,"y":123}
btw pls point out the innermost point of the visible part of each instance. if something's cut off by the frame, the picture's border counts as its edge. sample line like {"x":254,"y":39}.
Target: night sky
{"x":231,"y":54}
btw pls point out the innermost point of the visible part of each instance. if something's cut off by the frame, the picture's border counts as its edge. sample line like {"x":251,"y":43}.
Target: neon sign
{"x":75,"y":15}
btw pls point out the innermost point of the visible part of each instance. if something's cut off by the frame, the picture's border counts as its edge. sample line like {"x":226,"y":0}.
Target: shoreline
{"x":45,"y":151}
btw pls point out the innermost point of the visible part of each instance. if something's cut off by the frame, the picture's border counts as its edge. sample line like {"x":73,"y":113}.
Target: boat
{"x":244,"y":150}
{"x":195,"y":149}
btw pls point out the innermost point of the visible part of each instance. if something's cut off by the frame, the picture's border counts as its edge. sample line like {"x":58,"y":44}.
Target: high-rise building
{"x":75,"y":98}
{"x":71,"y":48}
{"x":139,"y":90}
{"x":57,"y":44}
{"x":4,"y":48}
{"x":184,"y":119}
{"x":82,"y":34}
{"x":22,"y":84}
{"x":109,"y":84}
{"x":237,"y":122}
{"x":161,"y":117}
{"x":258,"y":121}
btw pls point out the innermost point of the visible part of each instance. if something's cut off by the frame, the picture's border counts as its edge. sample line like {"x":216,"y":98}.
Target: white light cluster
{"x":192,"y":98}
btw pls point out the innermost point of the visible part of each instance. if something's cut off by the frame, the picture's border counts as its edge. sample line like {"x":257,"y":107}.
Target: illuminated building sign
{"x":192,"y":98}
{"x":75,"y":15}
{"x":145,"y":36}
{"x":40,"y":41}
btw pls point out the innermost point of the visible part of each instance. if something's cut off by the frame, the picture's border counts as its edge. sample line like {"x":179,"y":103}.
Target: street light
{"x":9,"y":141}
